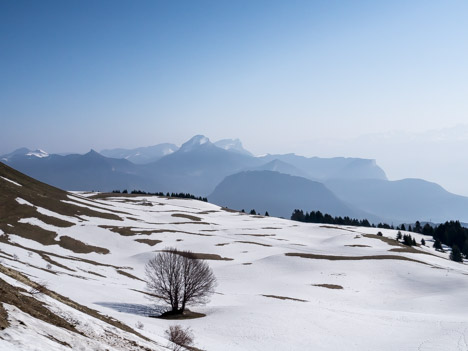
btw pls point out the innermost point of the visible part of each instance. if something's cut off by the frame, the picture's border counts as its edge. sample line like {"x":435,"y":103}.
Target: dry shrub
{"x":179,"y":337}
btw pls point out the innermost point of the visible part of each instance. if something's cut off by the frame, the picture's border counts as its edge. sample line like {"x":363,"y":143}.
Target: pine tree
{"x":437,"y":245}
{"x":398,"y":236}
{"x":423,"y":242}
{"x":456,"y":255}
{"x":465,"y":248}
{"x":252,"y":212}
{"x":267,"y":214}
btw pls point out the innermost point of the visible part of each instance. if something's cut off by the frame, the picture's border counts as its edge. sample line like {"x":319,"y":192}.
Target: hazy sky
{"x":381,"y":79}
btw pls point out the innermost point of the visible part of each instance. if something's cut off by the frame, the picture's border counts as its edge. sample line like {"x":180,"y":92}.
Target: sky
{"x":380,"y":79}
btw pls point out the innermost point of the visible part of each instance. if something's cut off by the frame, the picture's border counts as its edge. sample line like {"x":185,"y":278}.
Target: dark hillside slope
{"x":21,"y":196}
{"x":279,"y":194}
{"x":405,"y":200}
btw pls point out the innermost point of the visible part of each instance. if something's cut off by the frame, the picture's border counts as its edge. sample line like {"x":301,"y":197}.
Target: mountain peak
{"x":232,"y":145}
{"x":92,"y":153}
{"x":195,"y":142}
{"x":38,"y":153}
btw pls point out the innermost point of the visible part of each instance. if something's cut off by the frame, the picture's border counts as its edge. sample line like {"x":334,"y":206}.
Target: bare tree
{"x":179,"y":278}
{"x":179,"y":337}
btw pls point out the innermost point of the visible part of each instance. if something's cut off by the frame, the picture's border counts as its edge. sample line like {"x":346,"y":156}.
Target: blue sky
{"x":284,"y":76}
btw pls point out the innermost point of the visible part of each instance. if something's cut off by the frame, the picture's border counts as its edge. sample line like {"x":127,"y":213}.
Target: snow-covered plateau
{"x":282,"y":285}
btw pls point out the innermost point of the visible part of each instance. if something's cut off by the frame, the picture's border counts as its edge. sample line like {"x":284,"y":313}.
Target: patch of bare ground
{"x":389,"y":241}
{"x":46,"y":255}
{"x":149,"y":242}
{"x":222,"y":244}
{"x":208,"y":230}
{"x":93,"y":273}
{"x":351,"y":258}
{"x":47,"y":237}
{"x":128,"y":275}
{"x":201,"y":256}
{"x":32,"y":232}
{"x":258,"y":216}
{"x":285,"y":298}
{"x":57,"y":222}
{"x":247,"y":263}
{"x":186,"y":216}
{"x":54,"y":339}
{"x":80,"y":247}
{"x":410,"y":249}
{"x":329,"y":286}
{"x":260,"y":235}
{"x":335,"y":227}
{"x":357,"y":245}
{"x":230,"y":210}
{"x":126,"y":231}
{"x":186,"y":315}
{"x":25,"y":280}
{"x":40,"y":195}
{"x":252,"y":243}
{"x":3,"y":318}
{"x":202,"y":223}
{"x":271,"y":228}
{"x":103,"y":196}
{"x":17,"y":297}
{"x":206,"y":212}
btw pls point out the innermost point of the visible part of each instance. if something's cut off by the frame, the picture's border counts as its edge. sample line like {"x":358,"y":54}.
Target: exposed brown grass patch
{"x":38,"y":194}
{"x":389,"y":241}
{"x":329,"y":286}
{"x":351,"y":258}
{"x":33,"y":232}
{"x":230,"y":210}
{"x":186,"y":216}
{"x":357,"y":245}
{"x":285,"y":298}
{"x":222,"y":244}
{"x":45,"y":255}
{"x":252,"y":243}
{"x":80,"y":247}
{"x":16,"y":296}
{"x":207,"y":212}
{"x":258,"y":235}
{"x":149,"y":242}
{"x":109,"y":320}
{"x":409,"y":249}
{"x":201,"y":256}
{"x":335,"y":227}
{"x":202,"y":223}
{"x":128,"y":275}
{"x":3,"y":318}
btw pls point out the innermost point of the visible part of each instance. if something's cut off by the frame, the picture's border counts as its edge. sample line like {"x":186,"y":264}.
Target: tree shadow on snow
{"x":140,"y":310}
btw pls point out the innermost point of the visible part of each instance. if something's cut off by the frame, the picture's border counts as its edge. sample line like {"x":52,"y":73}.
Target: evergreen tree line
{"x":450,"y":233}
{"x":177,"y":195}
{"x":318,"y":217}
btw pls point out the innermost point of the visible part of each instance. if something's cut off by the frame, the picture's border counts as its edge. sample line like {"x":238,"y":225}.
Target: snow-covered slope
{"x":282,"y":285}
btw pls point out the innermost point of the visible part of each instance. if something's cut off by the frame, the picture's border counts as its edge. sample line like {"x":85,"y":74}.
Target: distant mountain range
{"x":232,"y":176}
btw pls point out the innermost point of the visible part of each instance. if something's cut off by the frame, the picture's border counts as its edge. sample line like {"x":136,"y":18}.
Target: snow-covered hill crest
{"x":282,"y":285}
